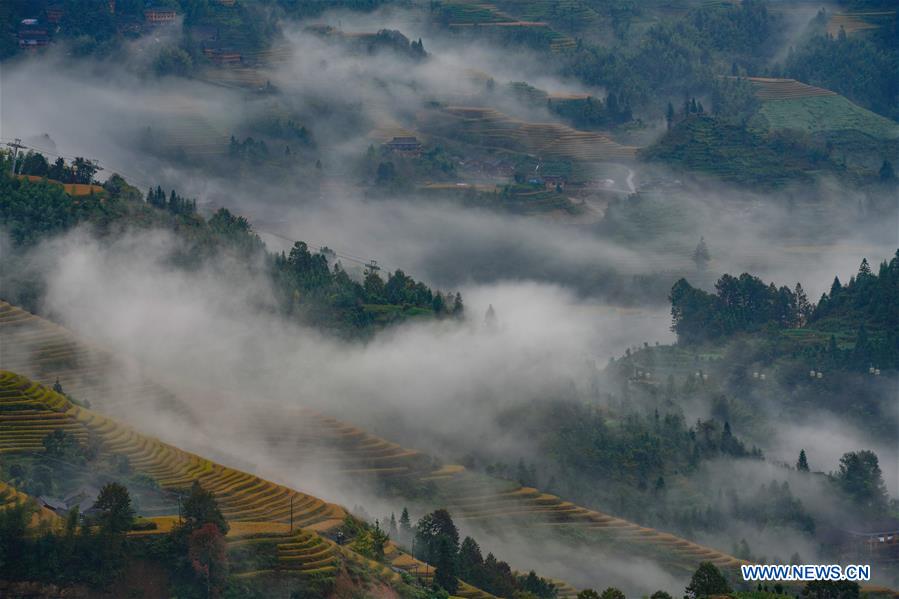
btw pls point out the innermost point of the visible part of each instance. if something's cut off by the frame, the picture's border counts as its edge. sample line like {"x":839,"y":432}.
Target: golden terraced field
{"x":241,"y":496}
{"x":260,"y":542}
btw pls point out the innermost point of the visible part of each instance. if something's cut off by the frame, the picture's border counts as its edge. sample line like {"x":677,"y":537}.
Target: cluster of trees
{"x":866,"y":307}
{"x":593,"y":112}
{"x":286,"y":129}
{"x":869,"y":298}
{"x":678,"y":58}
{"x":81,"y":170}
{"x":307,"y":286}
{"x":636,"y":450}
{"x":739,"y":304}
{"x":707,"y":581}
{"x":391,"y":39}
{"x":865,"y":69}
{"x":91,"y":552}
{"x":174,"y":203}
{"x":435,"y":540}
{"x":94,"y":550}
{"x":249,"y":149}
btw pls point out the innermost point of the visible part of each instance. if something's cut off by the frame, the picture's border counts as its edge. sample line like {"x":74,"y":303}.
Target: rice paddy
{"x":490,"y":128}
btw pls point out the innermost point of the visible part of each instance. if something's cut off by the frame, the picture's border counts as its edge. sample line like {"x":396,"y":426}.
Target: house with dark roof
{"x":85,"y":498}
{"x":52,"y":503}
{"x":404,"y":145}
{"x":157,"y":15}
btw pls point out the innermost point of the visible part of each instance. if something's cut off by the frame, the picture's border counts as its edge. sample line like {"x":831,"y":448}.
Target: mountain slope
{"x":475,"y":499}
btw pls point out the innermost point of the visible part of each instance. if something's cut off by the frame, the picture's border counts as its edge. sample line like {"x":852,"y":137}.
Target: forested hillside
{"x":310,"y":286}
{"x":863,"y":314}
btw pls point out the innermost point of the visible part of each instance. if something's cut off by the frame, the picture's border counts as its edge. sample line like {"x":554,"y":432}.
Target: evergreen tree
{"x":861,"y":479}
{"x":706,"y":581}
{"x":405,"y":525}
{"x":701,"y":255}
{"x":392,"y":530}
{"x":835,"y":288}
{"x":490,"y":317}
{"x":802,"y":462}
{"x":669,"y":115}
{"x":458,"y":307}
{"x":116,"y":515}
{"x":201,"y":508}
{"x":445,"y":565}
{"x":431,"y":529}
{"x":803,"y":306}
{"x":864,"y":269}
{"x":471,"y":562}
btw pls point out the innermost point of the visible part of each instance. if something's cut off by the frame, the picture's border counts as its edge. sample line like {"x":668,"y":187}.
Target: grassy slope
{"x":819,"y":114}
{"x":709,"y":145}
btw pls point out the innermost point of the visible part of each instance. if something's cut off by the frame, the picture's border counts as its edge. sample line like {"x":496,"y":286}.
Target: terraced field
{"x":193,"y":134}
{"x":260,"y":542}
{"x":302,"y":552}
{"x":473,"y":499}
{"x":463,"y":15}
{"x":241,"y":496}
{"x":489,"y":127}
{"x":855,"y":22}
{"x":44,"y":351}
{"x":767,"y":88}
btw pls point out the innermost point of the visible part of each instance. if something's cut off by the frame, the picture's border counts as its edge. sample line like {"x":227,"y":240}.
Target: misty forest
{"x":420,"y":299}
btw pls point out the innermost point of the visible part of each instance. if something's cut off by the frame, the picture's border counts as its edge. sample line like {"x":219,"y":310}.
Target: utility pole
{"x":292,"y":495}
{"x":371,"y":267}
{"x":15,"y":152}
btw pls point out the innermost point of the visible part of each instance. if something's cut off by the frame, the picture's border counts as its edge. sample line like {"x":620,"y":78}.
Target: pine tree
{"x":445,"y":565}
{"x":803,"y":306}
{"x":458,"y":307}
{"x":864,"y":269}
{"x":393,"y":531}
{"x":835,"y":288}
{"x":669,"y":115}
{"x":405,"y":525}
{"x":802,"y":463}
{"x":490,"y":317}
{"x":701,"y":255}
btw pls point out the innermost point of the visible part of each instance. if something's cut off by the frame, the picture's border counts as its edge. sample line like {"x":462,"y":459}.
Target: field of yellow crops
{"x":73,"y":189}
